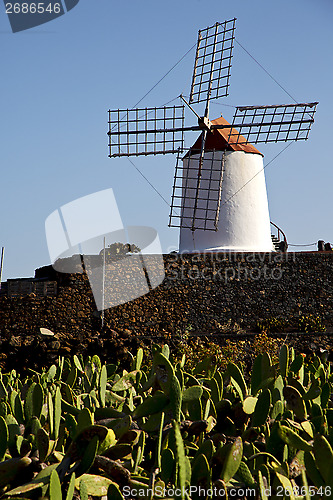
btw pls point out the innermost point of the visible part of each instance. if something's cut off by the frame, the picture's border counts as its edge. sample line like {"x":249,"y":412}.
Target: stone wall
{"x":200,"y":293}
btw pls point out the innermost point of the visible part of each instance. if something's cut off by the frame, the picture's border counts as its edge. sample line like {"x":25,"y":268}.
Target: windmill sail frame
{"x":192,"y":206}
{"x":146,"y":131}
{"x":274,"y":123}
{"x":212,"y":65}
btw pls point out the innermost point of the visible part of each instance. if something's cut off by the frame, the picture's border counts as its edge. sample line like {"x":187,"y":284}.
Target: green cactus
{"x":323,"y":456}
{"x":325,"y":394}
{"x":266,"y":366}
{"x":13,"y":431}
{"x":83,"y":449}
{"x":277,"y":410}
{"x":138,"y":452}
{"x":262,"y":408}
{"x":232,"y":460}
{"x":256,"y":375}
{"x":295,"y":402}
{"x":175,"y":398}
{"x":95,"y":485}
{"x":164,"y":372}
{"x":114,"y":492}
{"x":138,"y":359}
{"x":106,"y":412}
{"x":237,"y":380}
{"x":55,"y":486}
{"x":305,"y":486}
{"x":71,"y":487}
{"x":262,"y":486}
{"x":109,"y":441}
{"x":192,"y":393}
{"x":207,"y":448}
{"x":152,"y":404}
{"x":102,"y":385}
{"x":41,"y":481}
{"x":51,"y":373}
{"x":34,"y":401}
{"x":245,"y":475}
{"x":83,"y":491}
{"x":297,"y":364}
{"x":215,"y":391}
{"x":168,"y":464}
{"x":88,"y":457}
{"x":312,"y":470}
{"x":291,"y":438}
{"x":194,"y":409}
{"x":125,"y":382}
{"x":120,"y":425}
{"x":43,"y":444}
{"x":10,"y":469}
{"x":4,"y":438}
{"x":17,"y":407}
{"x":57,"y":414}
{"x":285,"y":483}
{"x":53,"y":413}
{"x":284,"y":360}
{"x":181,"y":462}
{"x":249,"y":404}
{"x":159,"y":442}
{"x":201,"y":475}
{"x":165,"y":351}
{"x":84,"y":419}
{"x":278,"y":389}
{"x":72,"y":376}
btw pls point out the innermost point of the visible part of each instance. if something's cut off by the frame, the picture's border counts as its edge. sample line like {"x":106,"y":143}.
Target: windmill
{"x":219,"y":198}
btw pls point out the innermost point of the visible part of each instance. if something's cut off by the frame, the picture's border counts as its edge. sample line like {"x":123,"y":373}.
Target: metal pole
{"x":103,"y":286}
{"x":1,"y":264}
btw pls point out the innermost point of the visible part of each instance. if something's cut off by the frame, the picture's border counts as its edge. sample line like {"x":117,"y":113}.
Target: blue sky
{"x":58,"y":81}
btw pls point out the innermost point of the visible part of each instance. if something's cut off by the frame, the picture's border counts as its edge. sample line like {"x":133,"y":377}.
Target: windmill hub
{"x":204,"y":123}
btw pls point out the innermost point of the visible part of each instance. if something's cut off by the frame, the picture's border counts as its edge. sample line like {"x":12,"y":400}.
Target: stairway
{"x":280,"y":241}
{"x":276,"y":242}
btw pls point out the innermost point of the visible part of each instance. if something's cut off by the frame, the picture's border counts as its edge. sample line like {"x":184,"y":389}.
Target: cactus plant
{"x":232,"y":460}
{"x":200,"y":426}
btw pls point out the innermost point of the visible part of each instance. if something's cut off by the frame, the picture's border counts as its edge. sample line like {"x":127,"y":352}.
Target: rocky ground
{"x":24,"y":352}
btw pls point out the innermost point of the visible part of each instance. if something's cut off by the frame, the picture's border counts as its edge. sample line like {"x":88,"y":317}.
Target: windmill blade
{"x":212,"y":64}
{"x":146,"y":131}
{"x":287,"y":122}
{"x":196,"y":205}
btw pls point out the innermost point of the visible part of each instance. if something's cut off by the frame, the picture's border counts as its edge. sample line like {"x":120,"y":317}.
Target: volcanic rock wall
{"x":201,"y":293}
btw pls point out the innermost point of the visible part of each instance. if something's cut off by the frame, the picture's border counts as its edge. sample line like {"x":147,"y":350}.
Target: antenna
{"x":198,"y":179}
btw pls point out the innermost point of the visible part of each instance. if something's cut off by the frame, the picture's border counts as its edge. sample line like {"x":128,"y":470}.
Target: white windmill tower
{"x":219,"y":197}
{"x":236,"y":204}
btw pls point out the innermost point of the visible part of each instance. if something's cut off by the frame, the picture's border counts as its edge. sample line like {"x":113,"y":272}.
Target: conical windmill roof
{"x":218,"y":139}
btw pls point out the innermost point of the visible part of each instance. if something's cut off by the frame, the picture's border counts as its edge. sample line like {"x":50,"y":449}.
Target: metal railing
{"x":279,"y":233}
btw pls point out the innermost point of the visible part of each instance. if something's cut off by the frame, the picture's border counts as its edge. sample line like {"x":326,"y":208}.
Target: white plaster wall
{"x":244,"y":223}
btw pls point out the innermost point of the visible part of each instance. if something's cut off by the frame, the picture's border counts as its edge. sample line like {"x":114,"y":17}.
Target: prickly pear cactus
{"x":81,"y":427}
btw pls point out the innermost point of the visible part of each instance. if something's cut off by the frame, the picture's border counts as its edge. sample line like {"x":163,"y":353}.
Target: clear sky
{"x":58,"y":81}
